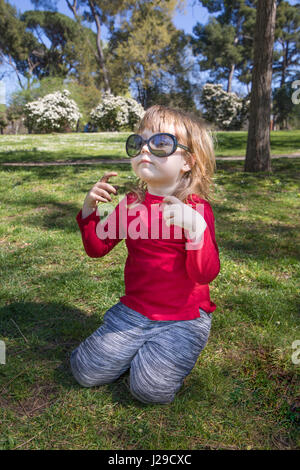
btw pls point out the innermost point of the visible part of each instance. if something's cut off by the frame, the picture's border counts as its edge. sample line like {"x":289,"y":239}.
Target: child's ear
{"x":189,"y":162}
{"x":192,"y":159}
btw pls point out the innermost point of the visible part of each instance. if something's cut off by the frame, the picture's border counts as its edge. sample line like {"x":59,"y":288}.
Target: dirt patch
{"x":41,"y":398}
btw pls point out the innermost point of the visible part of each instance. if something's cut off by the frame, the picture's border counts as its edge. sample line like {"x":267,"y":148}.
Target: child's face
{"x":159,"y":171}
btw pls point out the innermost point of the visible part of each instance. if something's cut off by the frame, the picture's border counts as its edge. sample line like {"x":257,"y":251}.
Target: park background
{"x":242,"y":393}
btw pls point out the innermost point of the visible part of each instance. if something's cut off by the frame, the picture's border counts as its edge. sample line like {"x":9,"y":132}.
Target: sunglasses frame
{"x":146,"y":141}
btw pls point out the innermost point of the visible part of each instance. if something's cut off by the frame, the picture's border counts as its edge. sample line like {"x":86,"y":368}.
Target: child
{"x":162,"y":323}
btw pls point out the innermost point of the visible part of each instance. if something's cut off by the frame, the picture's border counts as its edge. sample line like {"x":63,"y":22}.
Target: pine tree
{"x":17,"y":46}
{"x":287,"y":37}
{"x":224,"y":45}
{"x":146,"y":46}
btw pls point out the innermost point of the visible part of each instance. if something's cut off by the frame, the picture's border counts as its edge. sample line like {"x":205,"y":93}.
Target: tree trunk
{"x":230,"y":77}
{"x":232,"y":68}
{"x":99,"y":47}
{"x":258,"y":145}
{"x":284,"y":65}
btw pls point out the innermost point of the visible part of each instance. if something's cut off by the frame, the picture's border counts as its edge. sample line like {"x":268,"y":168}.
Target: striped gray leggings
{"x":160,"y":354}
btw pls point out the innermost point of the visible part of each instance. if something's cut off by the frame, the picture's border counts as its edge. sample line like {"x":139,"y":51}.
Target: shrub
{"x":55,"y":112}
{"x":226,"y":110}
{"x":116,"y":113}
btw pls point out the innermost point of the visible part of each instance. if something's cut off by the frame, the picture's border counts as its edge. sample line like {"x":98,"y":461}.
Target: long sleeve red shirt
{"x":166,"y":273}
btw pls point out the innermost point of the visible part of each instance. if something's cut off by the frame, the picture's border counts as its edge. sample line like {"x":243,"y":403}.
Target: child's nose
{"x":145,"y":149}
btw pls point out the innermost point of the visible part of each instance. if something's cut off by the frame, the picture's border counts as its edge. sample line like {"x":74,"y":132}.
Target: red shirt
{"x":164,"y":278}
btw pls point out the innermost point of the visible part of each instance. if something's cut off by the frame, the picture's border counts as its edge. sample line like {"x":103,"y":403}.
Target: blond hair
{"x":191,"y":132}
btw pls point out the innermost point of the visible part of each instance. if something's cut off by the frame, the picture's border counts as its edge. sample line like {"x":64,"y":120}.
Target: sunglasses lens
{"x":162,"y":145}
{"x":133,"y":145}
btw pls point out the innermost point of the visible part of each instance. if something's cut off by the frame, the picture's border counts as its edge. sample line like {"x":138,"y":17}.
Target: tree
{"x":38,"y":89}
{"x":14,"y":112}
{"x":284,"y":110}
{"x":99,"y":12}
{"x":68,"y":46}
{"x":287,"y":36}
{"x":146,"y":57}
{"x":18,"y":47}
{"x":177,"y":95}
{"x":225,"y":43}
{"x":3,"y":118}
{"x":258,"y":143}
{"x":85,"y":96}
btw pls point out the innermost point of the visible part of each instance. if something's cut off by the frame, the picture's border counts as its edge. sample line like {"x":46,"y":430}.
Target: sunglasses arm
{"x":184,"y":148}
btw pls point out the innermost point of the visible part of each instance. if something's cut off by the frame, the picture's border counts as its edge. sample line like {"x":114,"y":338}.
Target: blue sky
{"x":185,"y":20}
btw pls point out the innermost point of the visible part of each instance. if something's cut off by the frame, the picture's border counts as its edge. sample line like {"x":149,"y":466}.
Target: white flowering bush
{"x":116,"y":113}
{"x":226,"y":110}
{"x":55,"y":112}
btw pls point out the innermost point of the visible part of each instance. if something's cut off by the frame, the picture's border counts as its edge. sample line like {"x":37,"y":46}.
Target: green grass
{"x":242,"y":392}
{"x":235,"y":143}
{"x":108,"y":145}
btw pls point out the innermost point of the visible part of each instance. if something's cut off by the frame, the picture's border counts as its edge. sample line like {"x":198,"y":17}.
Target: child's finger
{"x":171,"y":200}
{"x":98,"y":198}
{"x":102,"y":192}
{"x":165,"y":205}
{"x":169,"y":221}
{"x":107,"y":186}
{"x":169,"y":209}
{"x":108,"y":175}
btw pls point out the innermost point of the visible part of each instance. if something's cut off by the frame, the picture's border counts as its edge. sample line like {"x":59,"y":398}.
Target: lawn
{"x":243,"y":392}
{"x":108,"y":145}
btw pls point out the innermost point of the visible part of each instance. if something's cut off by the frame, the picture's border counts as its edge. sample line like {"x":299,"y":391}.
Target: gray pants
{"x":160,"y":354}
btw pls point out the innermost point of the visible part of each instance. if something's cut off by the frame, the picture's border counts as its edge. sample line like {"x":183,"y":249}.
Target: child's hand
{"x":99,"y":192}
{"x":177,"y":213}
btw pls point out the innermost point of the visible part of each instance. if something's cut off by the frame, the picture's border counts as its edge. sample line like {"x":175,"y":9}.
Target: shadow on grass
{"x":284,"y":140}
{"x":250,"y":237}
{"x":23,"y":156}
{"x":260,"y":240}
{"x":279,"y":142}
{"x":40,"y":338}
{"x":263,"y":240}
{"x":55,"y":172}
{"x":224,"y":142}
{"x":278,"y":166}
{"x":47,"y":211}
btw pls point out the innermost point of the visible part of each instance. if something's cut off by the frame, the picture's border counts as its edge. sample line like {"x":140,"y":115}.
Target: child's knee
{"x":150,"y":394}
{"x":86,"y":374}
{"x":81,"y":371}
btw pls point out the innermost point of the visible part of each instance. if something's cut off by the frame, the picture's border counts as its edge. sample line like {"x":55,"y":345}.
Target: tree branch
{"x":73,"y":8}
{"x":10,"y":62}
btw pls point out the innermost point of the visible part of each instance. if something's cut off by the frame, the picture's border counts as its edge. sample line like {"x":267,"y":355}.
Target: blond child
{"x":162,"y":322}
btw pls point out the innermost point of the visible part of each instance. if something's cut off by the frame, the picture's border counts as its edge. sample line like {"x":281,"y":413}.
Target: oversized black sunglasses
{"x":160,"y":145}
